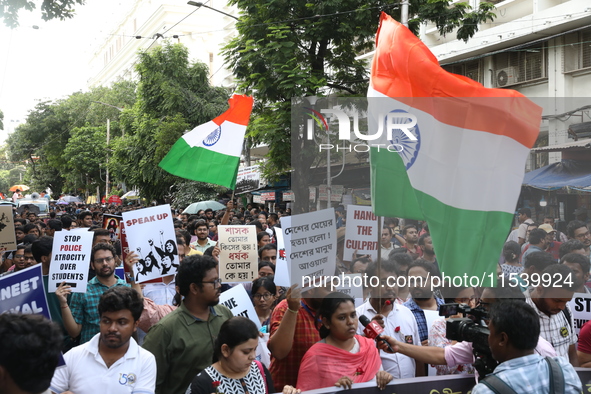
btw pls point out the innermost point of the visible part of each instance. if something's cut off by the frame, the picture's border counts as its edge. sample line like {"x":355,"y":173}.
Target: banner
{"x":23,"y":292}
{"x":239,"y":303}
{"x":361,"y":232}
{"x":7,"y":237}
{"x":248,"y":179}
{"x":70,"y":260}
{"x":239,"y":259}
{"x":310,"y":245}
{"x":150,"y":234}
{"x":580,"y":307}
{"x":112,"y":223}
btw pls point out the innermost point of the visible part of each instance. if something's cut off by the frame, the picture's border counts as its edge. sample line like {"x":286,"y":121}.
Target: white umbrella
{"x":131,"y":195}
{"x":197,"y":206}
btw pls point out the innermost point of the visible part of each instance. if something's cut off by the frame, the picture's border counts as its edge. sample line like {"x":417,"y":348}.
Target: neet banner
{"x":70,"y":259}
{"x":150,"y":234}
{"x":580,"y":307}
{"x":23,"y":292}
{"x":238,"y":302}
{"x":361,"y":232}
{"x":7,"y":237}
{"x":310,"y":245}
{"x":239,"y":259}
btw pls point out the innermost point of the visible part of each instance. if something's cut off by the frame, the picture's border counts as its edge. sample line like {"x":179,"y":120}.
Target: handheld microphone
{"x":373,"y":330}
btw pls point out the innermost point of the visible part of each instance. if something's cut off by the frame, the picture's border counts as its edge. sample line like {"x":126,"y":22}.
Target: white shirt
{"x":398,"y":365}
{"x":556,"y":329}
{"x":86,"y":372}
{"x":161,"y":293}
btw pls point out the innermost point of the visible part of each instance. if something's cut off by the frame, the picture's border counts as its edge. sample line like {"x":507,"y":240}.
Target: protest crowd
{"x":173,"y":335}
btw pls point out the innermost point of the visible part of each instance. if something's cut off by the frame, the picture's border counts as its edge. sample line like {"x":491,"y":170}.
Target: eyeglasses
{"x":106,"y":260}
{"x":584,"y":235}
{"x":19,"y":256}
{"x":29,"y":258}
{"x":216,"y":283}
{"x":266,"y":296}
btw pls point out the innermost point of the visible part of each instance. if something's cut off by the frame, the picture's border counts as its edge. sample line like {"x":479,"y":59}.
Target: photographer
{"x":462,"y":352}
{"x":514,"y":327}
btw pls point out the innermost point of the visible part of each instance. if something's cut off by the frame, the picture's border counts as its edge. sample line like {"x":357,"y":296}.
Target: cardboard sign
{"x":237,"y":300}
{"x":352,"y":285}
{"x":112,"y":223}
{"x":7,"y":237}
{"x":150,"y":234}
{"x":310,"y":245}
{"x":23,"y":292}
{"x":580,"y":307}
{"x":70,"y":259}
{"x":281,"y":267}
{"x":239,"y":259}
{"x":361,"y":232}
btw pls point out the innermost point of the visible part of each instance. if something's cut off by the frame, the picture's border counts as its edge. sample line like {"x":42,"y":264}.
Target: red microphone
{"x":373,"y":330}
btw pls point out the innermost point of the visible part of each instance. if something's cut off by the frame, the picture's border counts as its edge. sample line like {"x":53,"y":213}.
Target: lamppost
{"x":199,"y":4}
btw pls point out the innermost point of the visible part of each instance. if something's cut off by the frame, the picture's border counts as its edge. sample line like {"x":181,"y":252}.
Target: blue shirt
{"x":531,"y":374}
{"x":420,"y":316}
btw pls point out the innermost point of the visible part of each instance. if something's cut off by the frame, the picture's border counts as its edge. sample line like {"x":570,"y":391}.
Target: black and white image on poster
{"x":150,"y":234}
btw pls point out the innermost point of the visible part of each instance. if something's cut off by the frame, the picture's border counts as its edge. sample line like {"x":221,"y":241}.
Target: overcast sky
{"x":52,"y":61}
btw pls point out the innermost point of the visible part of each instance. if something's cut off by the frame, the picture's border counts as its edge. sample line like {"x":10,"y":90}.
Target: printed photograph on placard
{"x":112,"y":223}
{"x":150,"y":234}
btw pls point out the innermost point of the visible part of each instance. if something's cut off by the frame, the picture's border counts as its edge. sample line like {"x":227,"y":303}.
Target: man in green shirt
{"x":183,"y":341}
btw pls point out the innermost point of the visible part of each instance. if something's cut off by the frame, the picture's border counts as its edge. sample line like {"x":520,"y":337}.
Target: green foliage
{"x":53,"y":126}
{"x":1,"y":119}
{"x":50,"y":9}
{"x":288,"y":48}
{"x":188,"y":192}
{"x":173,"y":96}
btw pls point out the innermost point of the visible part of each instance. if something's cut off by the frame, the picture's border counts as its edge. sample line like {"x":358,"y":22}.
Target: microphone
{"x":373,"y":330}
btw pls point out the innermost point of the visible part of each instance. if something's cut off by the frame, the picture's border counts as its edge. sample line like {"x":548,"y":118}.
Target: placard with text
{"x":239,"y":258}
{"x":70,"y":260}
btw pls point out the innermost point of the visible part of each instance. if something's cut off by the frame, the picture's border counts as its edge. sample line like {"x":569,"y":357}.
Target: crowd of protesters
{"x":173,"y":336}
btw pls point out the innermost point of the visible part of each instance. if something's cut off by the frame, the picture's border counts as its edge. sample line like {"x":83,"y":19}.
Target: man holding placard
{"x":81,"y":316}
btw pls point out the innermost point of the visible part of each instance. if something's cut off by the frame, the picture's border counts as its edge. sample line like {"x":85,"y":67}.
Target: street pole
{"x":404,"y":13}
{"x":107,"y":176}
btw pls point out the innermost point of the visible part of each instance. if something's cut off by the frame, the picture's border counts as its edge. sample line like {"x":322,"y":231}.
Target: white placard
{"x":239,"y":303}
{"x":352,"y":285}
{"x":239,"y":258}
{"x":361,"y":232}
{"x":281,"y":268}
{"x":310,"y":245}
{"x":150,"y":234}
{"x":70,"y":259}
{"x":580,"y":306}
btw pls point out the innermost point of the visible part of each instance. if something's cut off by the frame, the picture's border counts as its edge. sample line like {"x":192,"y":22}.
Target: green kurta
{"x":183,"y":346}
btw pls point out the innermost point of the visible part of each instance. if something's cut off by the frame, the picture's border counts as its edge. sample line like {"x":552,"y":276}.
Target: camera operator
{"x":514,"y":329}
{"x":462,"y":352}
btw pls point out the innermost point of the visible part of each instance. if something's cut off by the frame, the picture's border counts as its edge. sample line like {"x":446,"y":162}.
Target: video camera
{"x":470,"y":330}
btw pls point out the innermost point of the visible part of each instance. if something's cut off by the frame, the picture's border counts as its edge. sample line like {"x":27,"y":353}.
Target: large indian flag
{"x":211,"y":152}
{"x":460,"y":167}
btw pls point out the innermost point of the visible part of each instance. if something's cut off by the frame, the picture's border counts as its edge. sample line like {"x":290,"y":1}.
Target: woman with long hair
{"x":342,"y":357}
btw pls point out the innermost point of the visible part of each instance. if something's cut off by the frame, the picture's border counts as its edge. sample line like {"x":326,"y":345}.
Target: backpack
{"x":557,"y":385}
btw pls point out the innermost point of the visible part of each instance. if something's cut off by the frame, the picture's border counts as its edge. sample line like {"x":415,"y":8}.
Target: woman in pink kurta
{"x":342,"y":357}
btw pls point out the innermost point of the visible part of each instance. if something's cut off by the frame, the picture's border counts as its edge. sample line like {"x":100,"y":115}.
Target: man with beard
{"x":579,"y":231}
{"x":551,"y":304}
{"x":580,"y":266}
{"x":81,"y":317}
{"x":182,"y":341}
{"x":411,"y":237}
{"x":426,"y":245}
{"x":112,"y":362}
{"x":203,"y":242}
{"x":397,"y":320}
{"x":424,"y":305}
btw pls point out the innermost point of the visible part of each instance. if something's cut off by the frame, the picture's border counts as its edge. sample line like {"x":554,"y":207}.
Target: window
{"x":519,"y":66}
{"x":472,"y":70}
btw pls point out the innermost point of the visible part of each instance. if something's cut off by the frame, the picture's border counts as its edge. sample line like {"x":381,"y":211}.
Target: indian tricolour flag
{"x":458,"y":160}
{"x":211,"y":152}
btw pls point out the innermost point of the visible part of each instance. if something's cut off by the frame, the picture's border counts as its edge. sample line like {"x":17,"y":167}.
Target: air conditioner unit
{"x":507,"y":76}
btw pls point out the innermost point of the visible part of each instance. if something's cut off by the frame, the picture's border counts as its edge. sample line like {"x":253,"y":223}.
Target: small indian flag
{"x":457,"y":151}
{"x":211,"y":152}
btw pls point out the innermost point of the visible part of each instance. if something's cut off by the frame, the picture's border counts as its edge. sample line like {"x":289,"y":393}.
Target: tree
{"x":286,"y":49}
{"x":173,"y":96}
{"x":1,"y":119}
{"x":50,"y":9}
